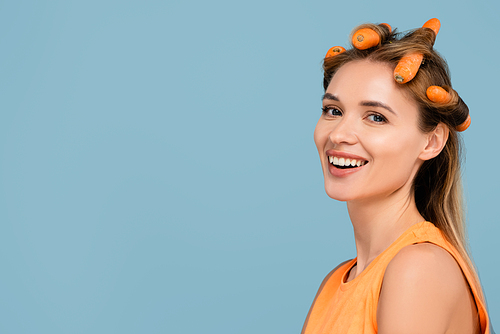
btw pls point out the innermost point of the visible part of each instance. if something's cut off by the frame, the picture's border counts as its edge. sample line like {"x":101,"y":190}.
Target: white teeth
{"x":345,"y":162}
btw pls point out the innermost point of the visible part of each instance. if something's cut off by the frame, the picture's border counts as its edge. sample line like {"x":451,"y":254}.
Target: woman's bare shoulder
{"x":422,"y":290}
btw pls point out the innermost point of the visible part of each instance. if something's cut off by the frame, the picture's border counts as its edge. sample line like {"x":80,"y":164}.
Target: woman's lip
{"x":338,"y":172}
{"x":342,"y":172}
{"x":339,"y":154}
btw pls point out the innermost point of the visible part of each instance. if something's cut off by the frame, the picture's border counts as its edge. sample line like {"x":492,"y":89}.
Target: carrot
{"x":335,"y":50}
{"x":438,"y":94}
{"x":408,"y":67}
{"x":464,"y":125}
{"x":433,"y":24}
{"x":387,"y":25}
{"x":365,"y":38}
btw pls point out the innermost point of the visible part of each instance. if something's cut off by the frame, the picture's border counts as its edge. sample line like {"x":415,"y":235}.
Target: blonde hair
{"x":437,"y":186}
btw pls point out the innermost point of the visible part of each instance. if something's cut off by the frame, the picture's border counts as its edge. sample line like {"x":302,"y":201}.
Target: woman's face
{"x":371,"y":125}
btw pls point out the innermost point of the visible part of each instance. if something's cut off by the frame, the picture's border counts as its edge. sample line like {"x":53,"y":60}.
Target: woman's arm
{"x":424,"y":291}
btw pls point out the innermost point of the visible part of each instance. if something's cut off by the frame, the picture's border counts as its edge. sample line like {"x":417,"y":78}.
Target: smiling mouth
{"x":346,"y":163}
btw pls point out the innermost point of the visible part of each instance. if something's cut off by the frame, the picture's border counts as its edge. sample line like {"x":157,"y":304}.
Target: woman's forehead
{"x":368,"y":83}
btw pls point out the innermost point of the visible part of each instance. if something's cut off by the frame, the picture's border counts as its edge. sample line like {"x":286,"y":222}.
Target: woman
{"x":390,"y":148}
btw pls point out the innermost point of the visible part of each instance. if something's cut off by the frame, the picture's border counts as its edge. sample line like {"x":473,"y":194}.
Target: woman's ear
{"x":436,"y":140}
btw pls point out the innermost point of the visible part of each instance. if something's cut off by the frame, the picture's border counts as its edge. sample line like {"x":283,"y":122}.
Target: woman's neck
{"x":378,"y":223}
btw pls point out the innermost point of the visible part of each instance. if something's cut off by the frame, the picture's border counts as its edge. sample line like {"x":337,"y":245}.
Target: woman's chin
{"x":339,"y":194}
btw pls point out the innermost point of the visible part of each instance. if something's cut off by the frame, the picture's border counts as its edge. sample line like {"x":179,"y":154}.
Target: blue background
{"x":157,"y":166}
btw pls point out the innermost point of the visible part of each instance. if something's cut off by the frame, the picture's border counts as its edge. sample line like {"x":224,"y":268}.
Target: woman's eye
{"x":377,"y":118}
{"x":332,"y":111}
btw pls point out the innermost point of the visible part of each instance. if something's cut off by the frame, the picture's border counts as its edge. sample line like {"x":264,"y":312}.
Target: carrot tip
{"x":333,"y":51}
{"x":433,"y":24}
{"x":407,"y":67}
{"x":387,"y":25}
{"x":365,"y":38}
{"x":399,"y":78}
{"x":464,"y":125}
{"x":438,"y":94}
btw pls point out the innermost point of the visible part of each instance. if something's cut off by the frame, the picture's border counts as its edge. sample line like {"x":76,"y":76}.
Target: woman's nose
{"x":343,"y":132}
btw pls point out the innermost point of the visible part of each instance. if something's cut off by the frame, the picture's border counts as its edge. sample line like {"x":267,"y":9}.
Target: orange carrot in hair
{"x":433,"y":24}
{"x":408,"y":67}
{"x":365,"y":38}
{"x":387,"y":25}
{"x":438,"y":94}
{"x":335,"y":50}
{"x":464,"y":125}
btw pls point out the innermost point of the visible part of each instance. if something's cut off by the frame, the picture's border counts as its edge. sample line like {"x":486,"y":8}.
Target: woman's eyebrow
{"x":376,"y":104}
{"x":329,"y":96}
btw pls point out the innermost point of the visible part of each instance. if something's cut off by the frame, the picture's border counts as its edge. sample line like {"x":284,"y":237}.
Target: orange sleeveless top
{"x":351,"y":307}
